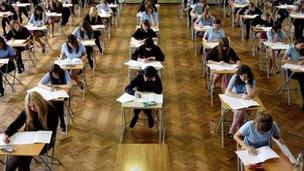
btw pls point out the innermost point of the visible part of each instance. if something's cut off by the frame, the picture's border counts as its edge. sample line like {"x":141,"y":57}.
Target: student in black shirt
{"x":37,"y":115}
{"x":144,"y":31}
{"x":5,"y":7}
{"x":148,"y":81}
{"x":19,"y":32}
{"x":299,"y":23}
{"x":148,"y":52}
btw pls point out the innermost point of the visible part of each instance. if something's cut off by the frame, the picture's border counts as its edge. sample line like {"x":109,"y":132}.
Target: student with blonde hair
{"x":38,"y":114}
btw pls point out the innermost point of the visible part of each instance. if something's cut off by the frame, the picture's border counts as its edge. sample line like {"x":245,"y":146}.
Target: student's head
{"x":15,"y":25}
{"x":148,"y":44}
{"x":3,"y":44}
{"x":34,"y":104}
{"x":102,"y":1}
{"x":224,"y":43}
{"x":150,"y":72}
{"x":56,"y":72}
{"x":38,"y":10}
{"x":276,"y":28}
{"x":267,"y":15}
{"x":3,"y":5}
{"x":263,"y":121}
{"x":149,"y":9}
{"x":72,"y":41}
{"x":245,"y":73}
{"x":93,"y":11}
{"x":145,"y":25}
{"x":299,"y":44}
{"x":216,"y":24}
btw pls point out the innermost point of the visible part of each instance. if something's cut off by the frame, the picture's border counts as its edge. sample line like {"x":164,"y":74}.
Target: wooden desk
{"x":225,"y":108}
{"x":109,"y":17}
{"x":144,"y":157}
{"x":242,"y":20}
{"x":235,"y":6}
{"x":24,"y":150}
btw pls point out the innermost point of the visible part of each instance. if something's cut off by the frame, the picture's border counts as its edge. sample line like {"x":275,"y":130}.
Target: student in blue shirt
{"x":293,"y":56}
{"x":85,"y":32}
{"x":150,"y":15}
{"x":57,"y":78}
{"x":38,"y":19}
{"x":275,"y":34}
{"x":257,"y":133}
{"x":198,"y":9}
{"x":214,"y":34}
{"x":73,"y":49}
{"x":5,"y":52}
{"x":103,"y":7}
{"x":241,"y":85}
{"x":205,"y":20}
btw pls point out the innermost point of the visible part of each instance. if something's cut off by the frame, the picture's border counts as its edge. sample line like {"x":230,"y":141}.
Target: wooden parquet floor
{"x":92,"y":141}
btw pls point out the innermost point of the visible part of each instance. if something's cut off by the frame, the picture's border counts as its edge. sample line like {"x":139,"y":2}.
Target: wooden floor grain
{"x":93,"y":139}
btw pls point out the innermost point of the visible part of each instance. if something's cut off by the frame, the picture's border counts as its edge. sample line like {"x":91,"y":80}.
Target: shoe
{"x":150,"y":121}
{"x":63,"y":129}
{"x":133,"y":122}
{"x":230,"y":135}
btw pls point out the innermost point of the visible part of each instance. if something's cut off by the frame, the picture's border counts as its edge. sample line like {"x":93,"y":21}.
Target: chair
{"x":6,"y":80}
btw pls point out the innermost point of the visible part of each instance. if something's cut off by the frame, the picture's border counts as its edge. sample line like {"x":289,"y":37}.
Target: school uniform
{"x":73,"y":53}
{"x":152,"y":18}
{"x":298,"y":26}
{"x":142,"y":52}
{"x":6,"y":20}
{"x":201,"y":21}
{"x":6,"y":68}
{"x":141,"y":34}
{"x":213,"y":35}
{"x":227,"y":55}
{"x":248,"y":22}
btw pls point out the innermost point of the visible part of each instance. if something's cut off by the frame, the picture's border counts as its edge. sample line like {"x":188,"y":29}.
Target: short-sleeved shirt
{"x":8,"y":52}
{"x":103,"y":8}
{"x":293,"y":54}
{"x":241,"y":1}
{"x":77,"y":34}
{"x":238,"y":88}
{"x":270,"y":35}
{"x":212,"y":35}
{"x":47,"y":79}
{"x":202,"y":21}
{"x":73,"y":54}
{"x":152,"y":18}
{"x":198,"y":9}
{"x":36,"y":22}
{"x":253,"y":137}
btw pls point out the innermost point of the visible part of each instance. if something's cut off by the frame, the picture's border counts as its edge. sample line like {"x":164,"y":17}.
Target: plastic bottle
{"x":212,"y":127}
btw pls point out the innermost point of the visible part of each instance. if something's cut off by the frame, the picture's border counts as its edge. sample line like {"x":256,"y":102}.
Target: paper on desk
{"x":16,"y":41}
{"x":263,"y":154}
{"x":277,"y":45}
{"x":285,"y":150}
{"x":90,"y":42}
{"x":32,"y":27}
{"x":4,"y":60}
{"x":68,"y":61}
{"x":250,"y":16}
{"x":29,"y":137}
{"x":151,"y":97}
{"x":238,"y":103}
{"x":291,"y":66}
{"x":210,"y":45}
{"x":143,"y":65}
{"x":136,"y":43}
{"x":96,"y":27}
{"x":48,"y":94}
{"x":125,"y":98}
{"x":223,"y":67}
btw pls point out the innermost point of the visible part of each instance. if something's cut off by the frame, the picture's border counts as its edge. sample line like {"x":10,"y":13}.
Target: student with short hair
{"x":257,"y":133}
{"x":241,"y":85}
{"x":151,"y":15}
{"x":299,"y":23}
{"x":145,"y":3}
{"x":144,"y":31}
{"x":148,"y":52}
{"x":214,"y":34}
{"x":206,"y":19}
{"x":198,"y":9}
{"x":147,"y":81}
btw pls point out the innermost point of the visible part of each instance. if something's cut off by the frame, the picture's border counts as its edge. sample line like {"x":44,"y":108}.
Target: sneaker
{"x":230,"y":135}
{"x":150,"y":121}
{"x":62,"y":128}
{"x":133,"y":122}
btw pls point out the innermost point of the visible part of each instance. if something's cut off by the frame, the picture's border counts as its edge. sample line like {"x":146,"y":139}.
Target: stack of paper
{"x":32,"y":27}
{"x":223,"y":67}
{"x":48,"y":94}
{"x":29,"y":137}
{"x":250,"y":16}
{"x":263,"y":154}
{"x":293,"y":67}
{"x":285,"y":150}
{"x":16,"y":42}
{"x":238,"y":103}
{"x":125,"y":98}
{"x":98,"y":27}
{"x":4,"y":60}
{"x":68,"y":61}
{"x":143,"y":65}
{"x":277,"y":45}
{"x":4,"y":14}
{"x":210,"y":45}
{"x":151,"y":97}
{"x":53,"y":14}
{"x":90,"y":42}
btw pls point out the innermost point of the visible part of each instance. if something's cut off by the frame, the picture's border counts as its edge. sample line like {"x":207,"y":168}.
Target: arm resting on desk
{"x":16,"y":124}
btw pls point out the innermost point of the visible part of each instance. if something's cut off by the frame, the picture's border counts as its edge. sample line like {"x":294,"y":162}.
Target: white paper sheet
{"x":28,"y":137}
{"x":151,"y":97}
{"x":264,"y":153}
{"x":48,"y":94}
{"x":4,"y":60}
{"x":68,"y":61}
{"x":223,"y":67}
{"x":143,"y":65}
{"x":90,"y":42}
{"x":238,"y":103}
{"x":293,"y":67}
{"x":125,"y":98}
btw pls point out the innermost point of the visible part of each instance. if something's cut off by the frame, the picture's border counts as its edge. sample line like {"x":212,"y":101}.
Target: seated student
{"x":6,"y":7}
{"x":57,"y":78}
{"x":147,"y":81}
{"x":257,"y":133}
{"x":293,"y":56}
{"x":73,"y":49}
{"x":264,"y":20}
{"x":145,"y":3}
{"x":204,"y":20}
{"x":230,"y":5}
{"x":214,"y":34}
{"x":299,"y":23}
{"x":54,"y":6}
{"x":276,"y":34}
{"x":103,"y":7}
{"x":94,"y":19}
{"x":23,"y":10}
{"x":222,"y":53}
{"x":198,"y":9}
{"x":38,"y":19}
{"x":148,"y":52}
{"x":251,"y":9}
{"x":5,"y":52}
{"x":85,"y":32}
{"x":150,"y":15}
{"x":19,"y":32}
{"x":144,"y":32}
{"x":282,"y":14}
{"x":241,"y":85}
{"x":38,"y":114}
{"x":66,"y":12}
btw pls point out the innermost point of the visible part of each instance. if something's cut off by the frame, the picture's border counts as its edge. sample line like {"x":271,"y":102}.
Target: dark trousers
{"x":66,"y":12}
{"x":247,"y":27}
{"x":19,"y":50}
{"x":89,"y":51}
{"x":97,"y":41}
{"x":298,"y":28}
{"x":5,"y":22}
{"x":146,"y":111}
{"x":59,"y":105}
{"x":5,"y":69}
{"x":24,"y":11}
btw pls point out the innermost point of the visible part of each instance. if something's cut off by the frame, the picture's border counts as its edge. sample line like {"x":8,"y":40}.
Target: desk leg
{"x":110,"y":28}
{"x":242,"y":28}
{"x":5,"y":162}
{"x":252,"y":42}
{"x":123,"y":125}
{"x":160,"y":126}
{"x":232,"y":17}
{"x":287,"y":87}
{"x":221,"y":124}
{"x":85,"y":87}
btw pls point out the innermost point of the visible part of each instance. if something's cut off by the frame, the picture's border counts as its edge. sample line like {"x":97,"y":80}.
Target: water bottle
{"x":300,"y":162}
{"x":212,"y":127}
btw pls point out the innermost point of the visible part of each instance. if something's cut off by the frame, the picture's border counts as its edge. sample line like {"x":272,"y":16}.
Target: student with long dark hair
{"x":148,"y":52}
{"x":241,"y":85}
{"x":5,"y":52}
{"x":6,"y":7}
{"x":144,"y":31}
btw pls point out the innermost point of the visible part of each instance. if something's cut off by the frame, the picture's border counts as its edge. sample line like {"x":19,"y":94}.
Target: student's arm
{"x":192,"y":13}
{"x":197,"y":21}
{"x":157,"y":85}
{"x":206,"y":34}
{"x":130,"y":87}
{"x":84,"y":53}
{"x":45,"y":81}
{"x":159,"y":54}
{"x":136,"y":55}
{"x":286,"y":58}
{"x":16,"y":124}
{"x":10,"y":35}
{"x":234,"y":57}
{"x":250,"y":88}
{"x":238,"y":137}
{"x":136,"y":34}
{"x":230,"y":86}
{"x":213,"y":56}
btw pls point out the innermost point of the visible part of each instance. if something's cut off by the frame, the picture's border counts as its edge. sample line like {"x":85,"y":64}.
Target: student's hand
{"x":145,"y":60}
{"x":6,"y":139}
{"x":245,"y":96}
{"x":251,"y":150}
{"x":152,"y":58}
